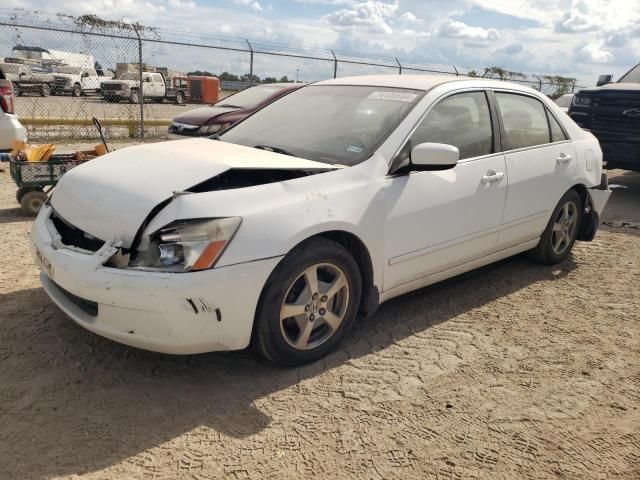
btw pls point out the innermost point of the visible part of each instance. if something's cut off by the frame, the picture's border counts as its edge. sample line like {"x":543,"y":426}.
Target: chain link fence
{"x":64,"y":70}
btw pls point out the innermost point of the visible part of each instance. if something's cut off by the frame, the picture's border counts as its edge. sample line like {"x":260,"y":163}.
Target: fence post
{"x":335,"y":65}
{"x":140,"y":91}
{"x":250,"y":63}
{"x":539,"y":82}
{"x":399,"y":66}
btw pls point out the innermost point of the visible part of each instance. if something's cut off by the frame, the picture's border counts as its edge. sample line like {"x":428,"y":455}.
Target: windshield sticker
{"x":393,"y":96}
{"x":354,"y":149}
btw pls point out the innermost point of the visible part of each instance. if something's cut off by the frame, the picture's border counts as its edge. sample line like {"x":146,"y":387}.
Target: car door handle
{"x":492,"y":176}
{"x":563,"y":159}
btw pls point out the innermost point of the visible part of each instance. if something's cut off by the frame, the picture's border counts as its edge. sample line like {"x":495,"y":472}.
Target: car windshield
{"x":327,"y":123}
{"x":632,"y":76}
{"x":250,"y":97}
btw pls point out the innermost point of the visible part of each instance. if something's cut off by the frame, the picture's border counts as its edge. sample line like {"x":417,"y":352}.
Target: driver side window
{"x":462,"y":120}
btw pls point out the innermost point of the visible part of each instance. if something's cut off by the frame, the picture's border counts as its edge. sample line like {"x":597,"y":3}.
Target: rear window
{"x":524,"y":120}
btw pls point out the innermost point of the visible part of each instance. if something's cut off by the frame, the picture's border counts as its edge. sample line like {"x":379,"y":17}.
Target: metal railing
{"x":132,"y":48}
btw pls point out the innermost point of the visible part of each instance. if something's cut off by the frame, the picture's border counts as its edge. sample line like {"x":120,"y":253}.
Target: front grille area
{"x":619,"y":113}
{"x":87,"y":306}
{"x":111,"y":87}
{"x":61,"y":81}
{"x":73,"y":236}
{"x":183,"y":129}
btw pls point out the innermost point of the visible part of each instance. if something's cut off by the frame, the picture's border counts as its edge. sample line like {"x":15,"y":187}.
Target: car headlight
{"x":208,"y":129}
{"x":581,"y":100}
{"x":189,"y":245}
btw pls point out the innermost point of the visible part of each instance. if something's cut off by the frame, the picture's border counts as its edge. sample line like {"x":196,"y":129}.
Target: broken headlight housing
{"x":189,"y":245}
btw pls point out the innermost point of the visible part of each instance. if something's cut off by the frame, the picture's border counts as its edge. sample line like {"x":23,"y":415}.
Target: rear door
{"x":540,"y":161}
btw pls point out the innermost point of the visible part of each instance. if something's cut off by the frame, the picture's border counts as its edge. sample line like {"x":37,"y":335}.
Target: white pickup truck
{"x":127,"y":87}
{"x":26,"y":80}
{"x":78,"y":81}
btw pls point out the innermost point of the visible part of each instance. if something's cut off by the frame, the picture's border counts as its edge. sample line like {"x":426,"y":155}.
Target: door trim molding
{"x":405,"y":257}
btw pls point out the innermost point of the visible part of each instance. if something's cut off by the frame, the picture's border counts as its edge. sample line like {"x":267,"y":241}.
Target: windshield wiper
{"x":269,"y":148}
{"x":228,"y":105}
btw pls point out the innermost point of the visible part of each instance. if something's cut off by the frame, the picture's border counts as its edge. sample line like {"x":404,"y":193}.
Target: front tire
{"x":308,"y":304}
{"x":45,"y":91}
{"x":77,"y":90}
{"x":561,"y":232}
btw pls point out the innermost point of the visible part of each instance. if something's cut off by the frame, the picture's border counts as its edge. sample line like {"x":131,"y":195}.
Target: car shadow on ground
{"x":12,"y":215}
{"x":79,"y":403}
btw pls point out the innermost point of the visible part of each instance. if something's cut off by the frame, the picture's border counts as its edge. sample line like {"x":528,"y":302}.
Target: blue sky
{"x":581,"y":38}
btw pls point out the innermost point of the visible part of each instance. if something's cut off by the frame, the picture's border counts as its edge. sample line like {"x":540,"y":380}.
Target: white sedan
{"x":319,"y":207}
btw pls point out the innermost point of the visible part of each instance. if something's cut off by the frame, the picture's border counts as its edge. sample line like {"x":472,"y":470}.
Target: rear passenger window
{"x":524,"y":120}
{"x":462,"y":120}
{"x":557,"y":133}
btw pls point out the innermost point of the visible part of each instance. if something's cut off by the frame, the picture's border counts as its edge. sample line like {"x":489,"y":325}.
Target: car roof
{"x":281,"y":84}
{"x":421,"y":82}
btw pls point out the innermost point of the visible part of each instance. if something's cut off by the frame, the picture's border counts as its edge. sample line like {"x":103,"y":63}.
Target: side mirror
{"x":434,"y":156}
{"x":21,"y":74}
{"x":603,"y":80}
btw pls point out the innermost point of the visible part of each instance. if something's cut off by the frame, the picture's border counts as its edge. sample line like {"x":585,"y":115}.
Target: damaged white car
{"x":324,"y":204}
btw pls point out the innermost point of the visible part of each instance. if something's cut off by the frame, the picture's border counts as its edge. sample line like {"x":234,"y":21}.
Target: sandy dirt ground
{"x":514,"y":371}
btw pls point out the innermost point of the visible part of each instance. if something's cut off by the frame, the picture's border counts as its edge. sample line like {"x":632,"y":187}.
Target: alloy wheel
{"x":564,"y":228}
{"x":314,"y":306}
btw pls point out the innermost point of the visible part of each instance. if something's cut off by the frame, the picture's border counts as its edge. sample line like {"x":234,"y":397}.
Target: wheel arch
{"x":352,"y":243}
{"x":355,"y":245}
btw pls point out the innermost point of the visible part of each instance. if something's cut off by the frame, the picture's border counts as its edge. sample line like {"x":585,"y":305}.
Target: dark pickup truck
{"x":611,"y":111}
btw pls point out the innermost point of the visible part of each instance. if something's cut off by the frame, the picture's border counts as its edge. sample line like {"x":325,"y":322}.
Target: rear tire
{"x":16,"y":90}
{"x":562,"y":230}
{"x":45,"y":91}
{"x":32,"y":201}
{"x":134,"y":96}
{"x":322,"y":310}
{"x":179,"y":98}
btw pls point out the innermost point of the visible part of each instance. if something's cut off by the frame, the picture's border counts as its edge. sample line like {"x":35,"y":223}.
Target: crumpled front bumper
{"x":179,"y":313}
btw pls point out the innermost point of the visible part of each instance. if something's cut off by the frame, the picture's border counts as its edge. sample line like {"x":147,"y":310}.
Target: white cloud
{"x":593,"y":54}
{"x":510,"y":49}
{"x":371,"y":16}
{"x":254,"y":4}
{"x":454,"y":29}
{"x":574,"y":21}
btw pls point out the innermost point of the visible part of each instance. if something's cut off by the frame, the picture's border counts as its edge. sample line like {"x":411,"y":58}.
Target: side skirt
{"x":457,"y":270}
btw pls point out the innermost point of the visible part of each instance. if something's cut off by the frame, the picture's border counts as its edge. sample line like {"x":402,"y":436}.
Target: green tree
{"x":562,"y":85}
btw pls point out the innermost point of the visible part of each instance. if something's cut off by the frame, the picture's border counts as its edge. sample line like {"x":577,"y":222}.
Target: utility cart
{"x":36,"y":179}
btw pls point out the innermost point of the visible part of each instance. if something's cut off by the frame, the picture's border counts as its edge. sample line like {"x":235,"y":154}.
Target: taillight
{"x":6,"y":96}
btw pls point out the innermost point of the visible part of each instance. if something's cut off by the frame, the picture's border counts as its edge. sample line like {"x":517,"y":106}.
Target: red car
{"x":205,"y":121}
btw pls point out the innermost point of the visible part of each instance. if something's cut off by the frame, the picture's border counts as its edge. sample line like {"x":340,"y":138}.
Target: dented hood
{"x":111,"y":196}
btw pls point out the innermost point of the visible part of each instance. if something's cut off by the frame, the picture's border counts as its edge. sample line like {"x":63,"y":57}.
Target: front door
{"x":438,"y":220}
